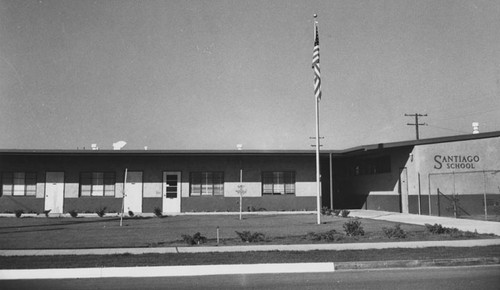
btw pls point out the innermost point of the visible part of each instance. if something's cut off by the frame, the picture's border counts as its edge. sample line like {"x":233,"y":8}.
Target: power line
{"x":442,"y":128}
{"x":468,"y":114}
{"x":416,"y":124}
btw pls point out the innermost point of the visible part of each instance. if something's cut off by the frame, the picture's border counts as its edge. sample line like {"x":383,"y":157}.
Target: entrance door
{"x":54,"y":192}
{"x":403,"y":190}
{"x":133,"y":192}
{"x":171,"y":192}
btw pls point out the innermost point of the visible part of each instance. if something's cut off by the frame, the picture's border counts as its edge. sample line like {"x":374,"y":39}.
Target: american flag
{"x":315,"y":66}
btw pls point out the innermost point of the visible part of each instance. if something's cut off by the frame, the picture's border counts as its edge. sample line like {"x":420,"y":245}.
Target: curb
{"x":416,"y":263}
{"x":233,"y":269}
{"x":166,"y":271}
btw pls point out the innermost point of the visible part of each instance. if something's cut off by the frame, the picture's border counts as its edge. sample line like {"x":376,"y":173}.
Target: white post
{"x":123,"y":197}
{"x":241,"y":192}
{"x":318,"y":173}
{"x":485,"y":201}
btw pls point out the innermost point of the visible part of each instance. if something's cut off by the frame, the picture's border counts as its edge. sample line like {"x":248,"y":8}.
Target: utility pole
{"x":416,"y":124}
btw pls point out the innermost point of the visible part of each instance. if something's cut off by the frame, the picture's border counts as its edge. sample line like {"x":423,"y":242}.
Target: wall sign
{"x":456,"y":161}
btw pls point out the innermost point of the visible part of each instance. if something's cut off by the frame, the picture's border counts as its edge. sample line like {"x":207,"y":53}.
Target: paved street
{"x":476,"y":277}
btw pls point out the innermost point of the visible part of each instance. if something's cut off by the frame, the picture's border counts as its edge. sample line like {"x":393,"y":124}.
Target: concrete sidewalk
{"x":482,"y":227}
{"x":253,"y":248}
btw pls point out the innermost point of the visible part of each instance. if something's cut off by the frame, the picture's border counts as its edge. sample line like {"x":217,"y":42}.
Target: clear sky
{"x":212,"y":74}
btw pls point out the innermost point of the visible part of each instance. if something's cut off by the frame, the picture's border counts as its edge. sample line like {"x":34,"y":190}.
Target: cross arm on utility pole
{"x":416,"y":124}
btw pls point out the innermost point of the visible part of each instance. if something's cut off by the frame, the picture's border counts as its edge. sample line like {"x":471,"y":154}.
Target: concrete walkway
{"x":253,"y":248}
{"x":482,"y":227}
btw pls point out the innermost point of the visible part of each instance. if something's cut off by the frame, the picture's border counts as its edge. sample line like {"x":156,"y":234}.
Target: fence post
{"x":429,"y":193}
{"x":439,"y":204}
{"x":419,"y":196}
{"x":485,"y":200}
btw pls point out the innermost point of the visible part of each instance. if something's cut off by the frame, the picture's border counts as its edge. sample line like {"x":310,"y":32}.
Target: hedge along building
{"x":400,"y":176}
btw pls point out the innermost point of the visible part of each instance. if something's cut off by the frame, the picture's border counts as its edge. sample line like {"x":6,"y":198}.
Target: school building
{"x":448,"y":176}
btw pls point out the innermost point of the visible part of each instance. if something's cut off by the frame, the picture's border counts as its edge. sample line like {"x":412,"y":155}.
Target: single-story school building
{"x":458,"y":175}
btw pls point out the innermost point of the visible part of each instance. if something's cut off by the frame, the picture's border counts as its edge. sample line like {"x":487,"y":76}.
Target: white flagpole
{"x":318,"y":173}
{"x":123,"y":198}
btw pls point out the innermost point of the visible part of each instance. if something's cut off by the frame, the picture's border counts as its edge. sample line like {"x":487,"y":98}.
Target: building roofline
{"x":348,"y":151}
{"x":427,"y":141}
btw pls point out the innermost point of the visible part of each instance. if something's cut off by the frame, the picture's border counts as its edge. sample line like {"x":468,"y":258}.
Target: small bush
{"x":438,"y":229}
{"x":130,"y":213}
{"x":394,"y":232}
{"x":196,"y":239}
{"x":344,"y":213}
{"x":353,"y":228}
{"x":326,"y":211}
{"x":101,"y":212}
{"x":331,"y":236}
{"x":73,"y":213}
{"x":336,"y":212}
{"x":18,"y":213}
{"x":158,"y":212}
{"x":249,"y":237}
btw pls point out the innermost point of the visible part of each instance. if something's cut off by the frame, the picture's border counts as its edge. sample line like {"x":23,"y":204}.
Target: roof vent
{"x":119,"y":145}
{"x":239,"y":146}
{"x":94,"y":147}
{"x":475,"y":127}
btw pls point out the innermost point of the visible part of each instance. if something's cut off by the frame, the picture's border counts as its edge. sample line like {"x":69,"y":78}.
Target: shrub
{"x":330,"y":236}
{"x":196,"y":239}
{"x":336,"y":212}
{"x":326,"y":211}
{"x":18,"y":213}
{"x":344,"y":213}
{"x":438,"y":229}
{"x":249,"y":237}
{"x":130,"y":213}
{"x":101,"y":212}
{"x":394,"y":232}
{"x":73,"y":213}
{"x":46,"y":212}
{"x":353,"y":228}
{"x":158,"y":212}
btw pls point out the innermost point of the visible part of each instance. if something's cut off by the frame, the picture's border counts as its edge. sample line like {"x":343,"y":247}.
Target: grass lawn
{"x":73,"y":233}
{"x":128,"y":260}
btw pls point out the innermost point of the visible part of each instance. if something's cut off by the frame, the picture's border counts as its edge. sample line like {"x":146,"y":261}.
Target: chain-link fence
{"x":472,"y":194}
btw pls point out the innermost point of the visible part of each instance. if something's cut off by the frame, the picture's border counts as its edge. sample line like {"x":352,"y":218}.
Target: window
{"x":374,"y":165}
{"x":97,"y":184}
{"x":206,"y":183}
{"x":19,"y":183}
{"x":278,"y":182}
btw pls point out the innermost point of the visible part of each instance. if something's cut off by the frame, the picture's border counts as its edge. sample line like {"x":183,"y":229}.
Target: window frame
{"x":371,"y":165}
{"x":26,"y":183}
{"x":206,"y":183}
{"x":97,"y":184}
{"x":278,"y":182}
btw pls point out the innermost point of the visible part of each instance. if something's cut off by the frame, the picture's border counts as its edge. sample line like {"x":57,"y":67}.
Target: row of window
{"x":369,"y":166}
{"x":205,"y":183}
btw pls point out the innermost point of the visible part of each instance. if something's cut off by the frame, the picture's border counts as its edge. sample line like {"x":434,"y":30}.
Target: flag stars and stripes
{"x":315,"y":66}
